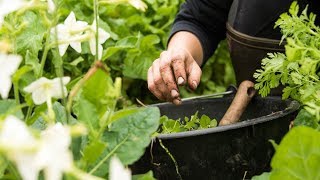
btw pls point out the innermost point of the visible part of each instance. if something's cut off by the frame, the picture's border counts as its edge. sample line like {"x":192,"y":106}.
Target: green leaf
{"x":86,"y":113}
{"x":263,"y":176}
{"x":37,"y":121}
{"x":10,"y":106}
{"x":213,"y":123}
{"x":61,"y":114}
{"x":123,"y":44}
{"x":123,"y":113}
{"x":3,"y":166}
{"x":128,"y":136}
{"x":77,"y":61}
{"x":32,"y":60}
{"x":304,"y":118}
{"x":36,"y":115}
{"x":205,"y":121}
{"x":93,"y":151}
{"x":298,"y":155}
{"x":21,"y":73}
{"x":147,"y":176}
{"x":100,"y":92}
{"x":138,"y":60}
{"x":171,"y":126}
{"x":294,"y":8}
{"x":32,"y":36}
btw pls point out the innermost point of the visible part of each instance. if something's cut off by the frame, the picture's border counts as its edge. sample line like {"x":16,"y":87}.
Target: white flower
{"x":44,"y":88}
{"x":103,"y":36}
{"x":20,"y":147}
{"x":50,"y":153}
{"x":51,"y":6}
{"x":117,"y":171}
{"x":138,"y":4}
{"x":54,"y":155}
{"x":8,"y":65}
{"x":70,"y":30}
{"x":8,"y":6}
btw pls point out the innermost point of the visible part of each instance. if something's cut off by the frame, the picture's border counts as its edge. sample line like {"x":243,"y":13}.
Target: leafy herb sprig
{"x":298,"y":68}
{"x":168,"y":125}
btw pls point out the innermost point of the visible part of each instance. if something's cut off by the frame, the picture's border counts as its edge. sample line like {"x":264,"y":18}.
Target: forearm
{"x":189,"y":42}
{"x":206,"y":20}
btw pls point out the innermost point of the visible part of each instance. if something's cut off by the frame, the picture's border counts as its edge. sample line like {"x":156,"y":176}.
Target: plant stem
{"x":79,"y":85}
{"x":16,"y":92}
{"x":51,"y":113}
{"x":60,"y":73}
{"x":96,"y":16}
{"x":29,"y":112}
{"x":43,"y":59}
{"x":13,"y":170}
{"x":172,"y":158}
{"x":108,"y":155}
{"x":45,"y":52}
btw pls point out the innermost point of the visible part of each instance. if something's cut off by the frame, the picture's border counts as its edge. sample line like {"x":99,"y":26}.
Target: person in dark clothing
{"x":198,"y":28}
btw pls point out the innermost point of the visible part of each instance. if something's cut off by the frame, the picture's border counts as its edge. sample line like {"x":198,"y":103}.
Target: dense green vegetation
{"x":297,"y":156}
{"x":77,"y":68}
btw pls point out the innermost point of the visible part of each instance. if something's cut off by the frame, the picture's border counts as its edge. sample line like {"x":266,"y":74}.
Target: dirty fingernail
{"x":180,"y":80}
{"x":177,"y":101}
{"x":194,"y":84}
{"x":174,"y":93}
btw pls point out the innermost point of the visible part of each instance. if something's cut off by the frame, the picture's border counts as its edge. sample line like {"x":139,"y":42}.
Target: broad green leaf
{"x":263,"y":176}
{"x":138,"y":61}
{"x":32,"y":36}
{"x":128,"y":136}
{"x":148,"y":41}
{"x":100,"y":91}
{"x":10,"y":106}
{"x":147,"y":176}
{"x":61,"y":114}
{"x":297,"y":156}
{"x":123,"y":44}
{"x":93,"y":151}
{"x":304,"y":118}
{"x":123,"y":113}
{"x":87,"y":113}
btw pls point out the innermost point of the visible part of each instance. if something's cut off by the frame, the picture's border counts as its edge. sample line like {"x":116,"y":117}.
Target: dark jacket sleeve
{"x":206,"y":19}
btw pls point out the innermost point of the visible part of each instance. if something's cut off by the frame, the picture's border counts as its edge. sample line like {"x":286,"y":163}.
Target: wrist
{"x":189,"y":43}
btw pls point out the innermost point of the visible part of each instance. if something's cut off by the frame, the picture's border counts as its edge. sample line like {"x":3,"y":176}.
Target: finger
{"x":194,"y":74}
{"x":167,"y":75}
{"x":158,"y":81}
{"x":152,"y":86}
{"x":178,"y":65}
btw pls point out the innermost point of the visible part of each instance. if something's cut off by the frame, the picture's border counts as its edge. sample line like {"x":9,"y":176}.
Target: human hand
{"x":174,"y":67}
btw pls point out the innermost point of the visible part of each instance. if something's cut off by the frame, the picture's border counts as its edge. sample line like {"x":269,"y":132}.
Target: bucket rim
{"x":292,"y":106}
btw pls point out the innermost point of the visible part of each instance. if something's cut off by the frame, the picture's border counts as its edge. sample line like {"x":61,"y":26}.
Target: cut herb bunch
{"x":298,"y":68}
{"x":168,"y":125}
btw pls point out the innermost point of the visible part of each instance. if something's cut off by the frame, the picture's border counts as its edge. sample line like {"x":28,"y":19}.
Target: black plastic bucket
{"x":234,"y":151}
